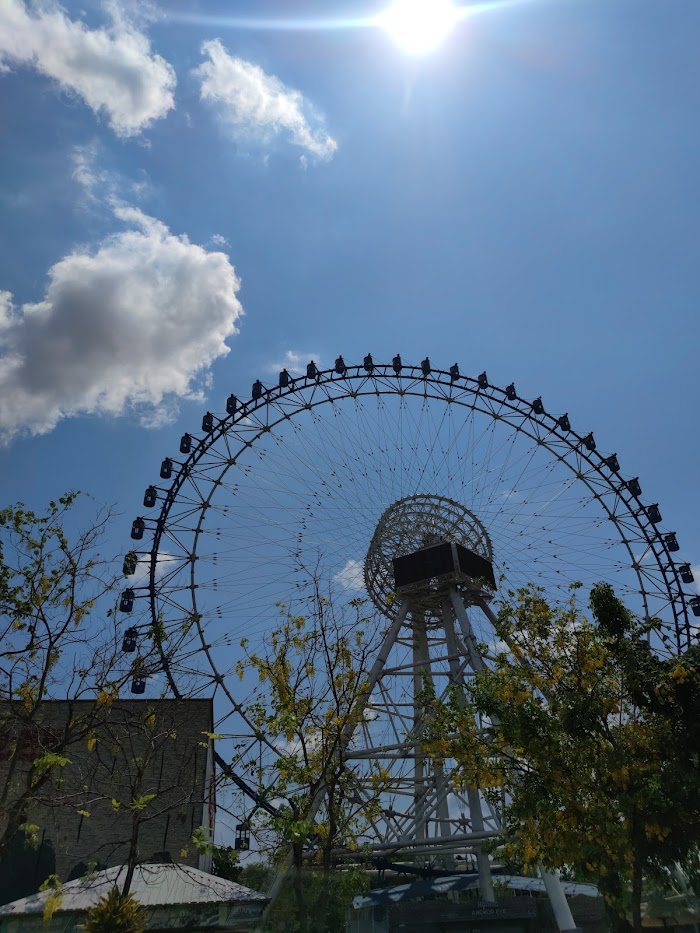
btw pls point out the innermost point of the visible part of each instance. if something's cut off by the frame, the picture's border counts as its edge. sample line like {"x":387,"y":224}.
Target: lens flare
{"x":419,"y":26}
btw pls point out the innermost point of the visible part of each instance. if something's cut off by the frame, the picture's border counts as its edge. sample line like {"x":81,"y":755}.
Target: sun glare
{"x":419,"y":26}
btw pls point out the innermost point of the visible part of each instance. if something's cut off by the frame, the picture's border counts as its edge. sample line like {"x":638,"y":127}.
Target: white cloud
{"x":696,"y":574}
{"x":88,"y":176}
{"x":258,"y":106}
{"x":131,"y":325}
{"x":165,"y":562}
{"x":295,"y":362}
{"x":496,"y":646}
{"x":101,"y":186}
{"x":351,"y":577}
{"x":83,"y":171}
{"x":112,"y":69}
{"x":294,"y":747}
{"x":160,"y":416}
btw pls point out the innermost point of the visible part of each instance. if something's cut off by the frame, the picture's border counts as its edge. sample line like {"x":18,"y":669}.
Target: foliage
{"x":202,"y":842}
{"x":685,"y":875}
{"x":258,"y":876}
{"x":143,"y":776}
{"x":312,"y":675}
{"x":60,"y":640}
{"x":53,"y":901}
{"x":48,"y":761}
{"x":311,"y":900}
{"x":590,"y":738}
{"x":115,"y":913}
{"x":673,"y":893}
{"x":315,"y":901}
{"x":52,"y":581}
{"x":49,"y":586}
{"x":226,"y":863}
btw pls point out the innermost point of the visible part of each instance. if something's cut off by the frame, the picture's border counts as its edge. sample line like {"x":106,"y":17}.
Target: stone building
{"x":137,"y":776}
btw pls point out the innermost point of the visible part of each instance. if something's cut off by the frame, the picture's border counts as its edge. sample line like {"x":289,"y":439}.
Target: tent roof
{"x":157,"y":885}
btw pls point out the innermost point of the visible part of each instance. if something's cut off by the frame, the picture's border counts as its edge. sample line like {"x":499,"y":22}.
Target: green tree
{"x":115,"y":913}
{"x":312,"y":675}
{"x":60,"y":641}
{"x":327,"y":897}
{"x":52,"y":584}
{"x":136,"y":775}
{"x":589,"y":738}
{"x":226,"y":863}
{"x":672,"y":894}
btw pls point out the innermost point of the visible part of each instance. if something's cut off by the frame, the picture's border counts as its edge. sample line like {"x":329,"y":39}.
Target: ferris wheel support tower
{"x":436,"y":558}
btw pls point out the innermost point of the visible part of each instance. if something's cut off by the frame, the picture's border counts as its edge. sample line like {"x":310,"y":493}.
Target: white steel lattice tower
{"x":428,"y":567}
{"x":429,"y":561}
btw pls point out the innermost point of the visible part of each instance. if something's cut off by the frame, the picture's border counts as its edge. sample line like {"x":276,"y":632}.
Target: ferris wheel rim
{"x":525,"y":417}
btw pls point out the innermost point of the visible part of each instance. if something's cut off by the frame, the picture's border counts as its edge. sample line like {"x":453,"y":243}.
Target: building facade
{"x":135,"y":780}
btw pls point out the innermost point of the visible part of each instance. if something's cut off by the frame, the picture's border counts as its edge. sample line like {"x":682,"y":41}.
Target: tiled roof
{"x":157,"y":885}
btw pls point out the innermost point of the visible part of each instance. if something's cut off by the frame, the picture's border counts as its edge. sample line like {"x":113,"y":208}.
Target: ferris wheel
{"x":426,"y":491}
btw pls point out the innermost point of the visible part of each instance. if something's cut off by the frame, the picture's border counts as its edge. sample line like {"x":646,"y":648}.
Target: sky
{"x":196,"y":193}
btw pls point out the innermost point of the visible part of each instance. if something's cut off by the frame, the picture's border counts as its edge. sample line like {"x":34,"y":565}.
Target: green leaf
{"x":50,"y":760}
{"x":142,"y":802}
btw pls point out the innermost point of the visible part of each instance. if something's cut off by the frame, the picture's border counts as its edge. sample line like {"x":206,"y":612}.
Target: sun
{"x":419,"y":26}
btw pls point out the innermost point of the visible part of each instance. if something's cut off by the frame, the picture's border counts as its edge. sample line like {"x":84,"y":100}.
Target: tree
{"x":312,"y":674}
{"x":69,"y":747}
{"x":226,"y":863}
{"x":589,"y":737}
{"x":115,"y":913}
{"x":672,"y":894}
{"x":142,"y":785}
{"x":327,"y":897}
{"x":313,"y":671}
{"x":51,"y":584}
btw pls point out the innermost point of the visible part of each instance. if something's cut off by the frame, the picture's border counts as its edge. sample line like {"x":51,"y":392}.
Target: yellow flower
{"x":680,"y":674}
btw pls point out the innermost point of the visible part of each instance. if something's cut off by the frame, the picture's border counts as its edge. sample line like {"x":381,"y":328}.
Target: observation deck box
{"x":444,"y":562}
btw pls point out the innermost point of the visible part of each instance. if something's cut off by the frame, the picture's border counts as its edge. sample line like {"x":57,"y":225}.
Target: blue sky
{"x":524,"y":200}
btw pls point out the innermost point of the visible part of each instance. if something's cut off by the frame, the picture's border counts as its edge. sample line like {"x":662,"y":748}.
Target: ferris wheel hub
{"x":426,"y":531}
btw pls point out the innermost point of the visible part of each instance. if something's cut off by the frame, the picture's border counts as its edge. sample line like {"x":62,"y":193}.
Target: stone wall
{"x":142,"y":769}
